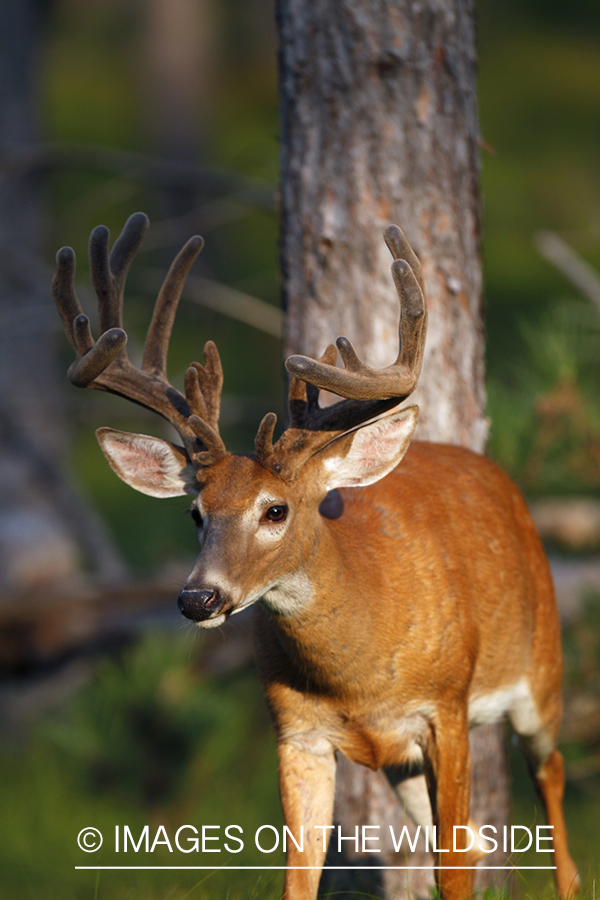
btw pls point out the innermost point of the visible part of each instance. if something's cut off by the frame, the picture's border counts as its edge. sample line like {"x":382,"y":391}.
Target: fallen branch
{"x":577,"y":270}
{"x":41,"y":626}
{"x":226,"y":300}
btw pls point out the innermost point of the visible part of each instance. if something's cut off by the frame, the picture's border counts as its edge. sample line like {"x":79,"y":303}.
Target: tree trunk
{"x":378,"y":125}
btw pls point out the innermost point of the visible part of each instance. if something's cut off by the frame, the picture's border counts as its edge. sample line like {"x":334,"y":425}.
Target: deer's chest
{"x":373,"y":738}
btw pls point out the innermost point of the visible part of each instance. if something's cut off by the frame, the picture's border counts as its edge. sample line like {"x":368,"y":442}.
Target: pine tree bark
{"x":379,"y":124}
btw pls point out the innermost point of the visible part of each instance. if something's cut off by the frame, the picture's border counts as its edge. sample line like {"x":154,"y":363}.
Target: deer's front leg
{"x":448,"y":772}
{"x":307,"y":784}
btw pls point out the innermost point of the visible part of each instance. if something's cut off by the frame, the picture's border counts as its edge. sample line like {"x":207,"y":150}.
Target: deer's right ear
{"x":148,"y":464}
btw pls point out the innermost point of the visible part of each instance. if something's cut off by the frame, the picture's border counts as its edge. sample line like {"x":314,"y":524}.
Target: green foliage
{"x":545,"y":408}
{"x":152,"y":739}
{"x":135,"y":730}
{"x":582,"y":647}
{"x":539,"y":95}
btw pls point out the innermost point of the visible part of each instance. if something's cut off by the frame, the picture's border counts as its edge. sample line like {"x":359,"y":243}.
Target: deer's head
{"x":256,"y":514}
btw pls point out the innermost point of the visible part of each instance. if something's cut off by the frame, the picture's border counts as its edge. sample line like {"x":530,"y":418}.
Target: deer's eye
{"x":277,"y":513}
{"x":195,"y":514}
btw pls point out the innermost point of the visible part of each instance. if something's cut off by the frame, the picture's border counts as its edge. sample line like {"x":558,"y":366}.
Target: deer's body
{"x":431,"y":584}
{"x":404,"y":592}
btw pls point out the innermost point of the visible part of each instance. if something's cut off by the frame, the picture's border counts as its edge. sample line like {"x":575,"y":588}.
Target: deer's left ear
{"x":370,"y":452}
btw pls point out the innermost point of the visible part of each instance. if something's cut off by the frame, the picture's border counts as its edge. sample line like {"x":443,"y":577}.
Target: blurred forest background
{"x":113,"y":711}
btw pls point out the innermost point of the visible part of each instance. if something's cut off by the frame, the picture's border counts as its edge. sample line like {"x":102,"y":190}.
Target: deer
{"x":402,"y":594}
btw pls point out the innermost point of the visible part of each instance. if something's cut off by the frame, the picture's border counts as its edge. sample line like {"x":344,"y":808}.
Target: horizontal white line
{"x":323,"y":868}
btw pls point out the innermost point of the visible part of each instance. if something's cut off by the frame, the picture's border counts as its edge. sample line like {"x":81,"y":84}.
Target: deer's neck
{"x":322,"y":625}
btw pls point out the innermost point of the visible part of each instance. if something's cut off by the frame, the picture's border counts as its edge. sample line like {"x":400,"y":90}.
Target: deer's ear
{"x":370,"y":452}
{"x":148,"y":464}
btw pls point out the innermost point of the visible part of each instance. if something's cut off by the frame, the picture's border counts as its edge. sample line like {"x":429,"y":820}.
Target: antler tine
{"x":413,"y":322}
{"x":63,"y":291}
{"x":161,"y":326}
{"x":399,"y":247}
{"x":413,"y":317}
{"x":92,"y":358}
{"x":203,"y":386}
{"x":263,"y":442}
{"x":215,"y":448}
{"x":380,"y":388}
{"x":109,"y":273}
{"x":304,"y":397}
{"x":126,"y":246}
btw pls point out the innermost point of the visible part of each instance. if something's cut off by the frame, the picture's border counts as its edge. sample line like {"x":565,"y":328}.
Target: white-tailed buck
{"x":403,"y":593}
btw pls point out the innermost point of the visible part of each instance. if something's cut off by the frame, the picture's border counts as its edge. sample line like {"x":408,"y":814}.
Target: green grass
{"x":153,"y":740}
{"x":150,"y":740}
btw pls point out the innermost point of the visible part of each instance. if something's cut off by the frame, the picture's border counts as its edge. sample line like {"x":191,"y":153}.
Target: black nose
{"x":199,"y":605}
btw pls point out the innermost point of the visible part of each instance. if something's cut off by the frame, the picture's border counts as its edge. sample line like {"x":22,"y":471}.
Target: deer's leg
{"x":307,"y":784}
{"x":414,"y":797}
{"x":550,"y":782}
{"x":447,"y":769}
{"x":549,"y":778}
{"x":548,"y":770}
